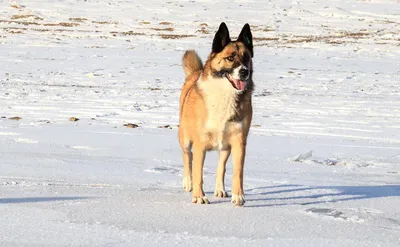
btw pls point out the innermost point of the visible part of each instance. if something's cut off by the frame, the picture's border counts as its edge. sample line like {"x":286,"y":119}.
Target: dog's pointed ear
{"x":246,"y":38}
{"x":221,"y":38}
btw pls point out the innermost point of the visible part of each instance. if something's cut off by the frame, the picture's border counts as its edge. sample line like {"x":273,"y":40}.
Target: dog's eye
{"x":230,"y":58}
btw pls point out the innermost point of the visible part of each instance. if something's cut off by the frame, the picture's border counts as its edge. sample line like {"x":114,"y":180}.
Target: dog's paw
{"x":187,"y":183}
{"x":200,"y":200}
{"x":238,"y":200}
{"x":220,"y":193}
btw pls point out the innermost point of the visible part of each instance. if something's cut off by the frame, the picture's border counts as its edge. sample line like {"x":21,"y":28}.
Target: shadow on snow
{"x":39,"y":199}
{"x":283,"y":195}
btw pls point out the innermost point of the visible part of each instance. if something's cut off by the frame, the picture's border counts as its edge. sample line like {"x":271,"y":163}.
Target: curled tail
{"x":191,"y":62}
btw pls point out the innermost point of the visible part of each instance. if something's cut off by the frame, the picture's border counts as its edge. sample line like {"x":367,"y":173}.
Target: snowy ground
{"x":324,"y":151}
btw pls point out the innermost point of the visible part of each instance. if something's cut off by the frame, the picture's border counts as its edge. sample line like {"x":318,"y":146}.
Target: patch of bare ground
{"x":175,"y":36}
{"x":15,"y":31}
{"x":17,"y":6}
{"x":78,"y":19}
{"x":263,"y":41}
{"x":144,"y":22}
{"x":264,"y":38}
{"x":330,"y":39}
{"x":127,"y":33}
{"x":28,"y":23}
{"x":203,"y":29}
{"x":131,"y":125}
{"x":165,"y":23}
{"x":62,"y":30}
{"x":257,"y":28}
{"x":169,"y":29}
{"x":15,"y":17}
{"x":105,"y":22}
{"x":62,"y":24}
{"x":73,"y":119}
{"x":15,"y":118}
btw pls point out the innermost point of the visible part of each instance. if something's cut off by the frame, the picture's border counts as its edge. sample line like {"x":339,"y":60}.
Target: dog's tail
{"x":191,"y":62}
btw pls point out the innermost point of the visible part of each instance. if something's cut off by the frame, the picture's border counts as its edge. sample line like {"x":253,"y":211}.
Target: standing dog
{"x":216,"y":112}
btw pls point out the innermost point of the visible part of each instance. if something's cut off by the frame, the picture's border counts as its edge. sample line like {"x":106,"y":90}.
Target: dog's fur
{"x":216,"y":112}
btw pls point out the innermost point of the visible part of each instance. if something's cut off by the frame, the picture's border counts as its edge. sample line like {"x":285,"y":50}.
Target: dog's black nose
{"x":244,"y":73}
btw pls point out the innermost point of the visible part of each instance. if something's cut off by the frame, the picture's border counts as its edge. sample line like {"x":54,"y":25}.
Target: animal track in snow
{"x":163,"y":169}
{"x":334,"y":214}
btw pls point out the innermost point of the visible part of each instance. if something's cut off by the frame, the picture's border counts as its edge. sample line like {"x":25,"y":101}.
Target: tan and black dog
{"x":216,"y":112}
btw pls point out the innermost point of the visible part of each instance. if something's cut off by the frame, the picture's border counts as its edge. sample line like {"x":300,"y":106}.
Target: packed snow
{"x":323,"y":157}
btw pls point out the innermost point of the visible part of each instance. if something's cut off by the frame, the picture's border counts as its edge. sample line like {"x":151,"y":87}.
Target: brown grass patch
{"x":17,"y":6}
{"x":15,"y":17}
{"x":128,"y":33}
{"x":63,"y":24}
{"x":105,"y":22}
{"x":175,"y":36}
{"x":165,"y":23}
{"x":15,"y":118}
{"x":26,"y":23}
{"x":73,"y":119}
{"x":330,"y":39}
{"x":145,"y":22}
{"x":15,"y":32}
{"x":78,"y":19}
{"x":131,"y":125}
{"x":262,"y":28}
{"x":264,"y":39}
{"x":169,"y":29}
{"x":203,"y":29}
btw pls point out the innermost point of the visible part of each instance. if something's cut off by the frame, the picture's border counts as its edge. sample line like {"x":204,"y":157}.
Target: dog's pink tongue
{"x":239,"y":84}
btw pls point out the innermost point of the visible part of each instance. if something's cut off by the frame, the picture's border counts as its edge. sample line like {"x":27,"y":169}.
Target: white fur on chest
{"x":220,"y":99}
{"x":221,"y":103}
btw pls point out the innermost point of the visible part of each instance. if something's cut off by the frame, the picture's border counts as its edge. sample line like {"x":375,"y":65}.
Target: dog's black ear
{"x":246,"y":38}
{"x":221,"y":38}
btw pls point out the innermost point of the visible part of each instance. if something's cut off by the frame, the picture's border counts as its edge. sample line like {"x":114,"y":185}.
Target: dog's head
{"x":232,"y":59}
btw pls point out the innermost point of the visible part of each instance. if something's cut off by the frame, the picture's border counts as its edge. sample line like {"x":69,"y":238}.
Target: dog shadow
{"x":40,"y":199}
{"x":284,"y":195}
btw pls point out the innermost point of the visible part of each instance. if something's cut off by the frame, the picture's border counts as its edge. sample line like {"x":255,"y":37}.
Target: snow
{"x":322,"y":166}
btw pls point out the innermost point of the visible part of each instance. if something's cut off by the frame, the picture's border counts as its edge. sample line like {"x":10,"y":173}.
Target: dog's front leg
{"x":220,"y":185}
{"x":198,"y":196}
{"x":238,"y":154}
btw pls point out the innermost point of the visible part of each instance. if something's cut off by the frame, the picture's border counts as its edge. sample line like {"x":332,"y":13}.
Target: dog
{"x":216,"y":112}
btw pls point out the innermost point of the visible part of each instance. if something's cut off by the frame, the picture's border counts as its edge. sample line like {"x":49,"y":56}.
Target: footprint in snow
{"x":334,"y":214}
{"x":163,"y":169}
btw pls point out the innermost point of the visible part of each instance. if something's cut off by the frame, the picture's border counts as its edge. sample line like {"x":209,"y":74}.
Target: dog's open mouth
{"x":236,"y":83}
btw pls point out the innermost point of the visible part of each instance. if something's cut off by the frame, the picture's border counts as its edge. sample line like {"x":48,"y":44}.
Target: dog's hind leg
{"x":187,"y":168}
{"x":220,"y":185}
{"x":238,"y":154}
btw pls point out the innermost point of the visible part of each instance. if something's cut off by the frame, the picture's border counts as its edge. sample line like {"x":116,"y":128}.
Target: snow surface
{"x":322,"y":167}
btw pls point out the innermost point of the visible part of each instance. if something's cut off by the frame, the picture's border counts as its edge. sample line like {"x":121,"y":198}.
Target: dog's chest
{"x":222,"y":116}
